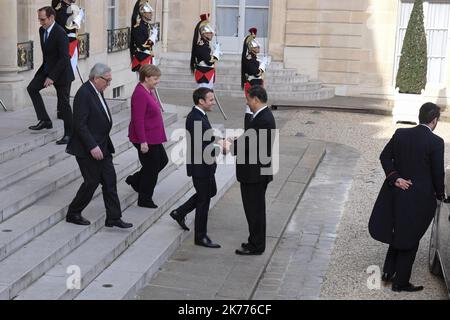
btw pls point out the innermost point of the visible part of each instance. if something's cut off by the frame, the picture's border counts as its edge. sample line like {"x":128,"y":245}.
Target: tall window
{"x":23,"y":20}
{"x":257,"y":15}
{"x":436,"y":15}
{"x":113,"y":14}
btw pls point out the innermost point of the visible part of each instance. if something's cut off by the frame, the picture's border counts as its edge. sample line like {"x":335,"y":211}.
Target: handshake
{"x":153,"y":35}
{"x":225,"y":144}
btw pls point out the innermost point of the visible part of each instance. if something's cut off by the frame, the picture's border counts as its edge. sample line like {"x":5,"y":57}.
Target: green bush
{"x":412,"y":71}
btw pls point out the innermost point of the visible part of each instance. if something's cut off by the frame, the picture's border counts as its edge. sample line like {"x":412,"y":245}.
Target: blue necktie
{"x":45,"y":36}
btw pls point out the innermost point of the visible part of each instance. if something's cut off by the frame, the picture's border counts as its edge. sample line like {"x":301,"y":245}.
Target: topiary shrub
{"x":412,"y":70}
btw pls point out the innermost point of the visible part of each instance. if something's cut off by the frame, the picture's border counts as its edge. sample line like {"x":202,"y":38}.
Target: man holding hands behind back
{"x":413,"y":161}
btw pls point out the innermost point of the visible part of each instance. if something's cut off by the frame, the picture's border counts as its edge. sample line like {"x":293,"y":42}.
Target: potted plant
{"x":412,"y":71}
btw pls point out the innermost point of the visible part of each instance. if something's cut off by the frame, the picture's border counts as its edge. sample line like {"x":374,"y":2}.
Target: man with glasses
{"x":91,"y":145}
{"x":55,"y":70}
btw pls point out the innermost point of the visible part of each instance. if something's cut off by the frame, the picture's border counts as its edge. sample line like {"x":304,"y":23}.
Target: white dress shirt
{"x":426,"y":126}
{"x":201,"y":110}
{"x":101,"y":100}
{"x":254,"y":116}
{"x":48,"y":30}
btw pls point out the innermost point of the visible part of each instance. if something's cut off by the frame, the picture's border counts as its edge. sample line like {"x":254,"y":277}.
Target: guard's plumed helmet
{"x":145,"y":7}
{"x":205,"y":26}
{"x":251,"y":41}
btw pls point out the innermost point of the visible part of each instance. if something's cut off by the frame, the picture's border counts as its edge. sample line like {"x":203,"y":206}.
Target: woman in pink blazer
{"x":146,"y":132}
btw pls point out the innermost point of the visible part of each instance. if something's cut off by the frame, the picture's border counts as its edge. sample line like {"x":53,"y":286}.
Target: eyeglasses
{"x":107,"y":80}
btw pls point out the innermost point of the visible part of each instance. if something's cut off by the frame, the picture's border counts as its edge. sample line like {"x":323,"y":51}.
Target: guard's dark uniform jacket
{"x":141,"y":46}
{"x":251,"y":72}
{"x":61,"y":18}
{"x":204,"y":63}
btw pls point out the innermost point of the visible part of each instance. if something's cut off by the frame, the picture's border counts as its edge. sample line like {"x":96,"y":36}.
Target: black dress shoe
{"x":178,"y":218}
{"x":247,"y":252}
{"x":146,"y":203}
{"x":387,"y":277}
{"x":129,"y":181}
{"x":78,"y":220}
{"x":63,"y":140}
{"x":42,"y":125}
{"x":118,"y":223}
{"x":408,"y":288}
{"x":206,"y":242}
{"x":244,"y":245}
{"x":59,"y":115}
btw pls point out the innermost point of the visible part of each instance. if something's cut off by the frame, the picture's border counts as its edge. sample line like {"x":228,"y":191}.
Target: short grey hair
{"x":98,"y":70}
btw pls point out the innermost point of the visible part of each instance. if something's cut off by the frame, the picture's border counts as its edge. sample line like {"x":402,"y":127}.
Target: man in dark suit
{"x":55,"y":70}
{"x":91,"y":145}
{"x":413,"y":161}
{"x":253,"y":152}
{"x":201,"y":166}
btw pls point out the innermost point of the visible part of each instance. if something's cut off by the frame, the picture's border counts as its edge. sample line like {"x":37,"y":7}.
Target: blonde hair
{"x":148,"y":70}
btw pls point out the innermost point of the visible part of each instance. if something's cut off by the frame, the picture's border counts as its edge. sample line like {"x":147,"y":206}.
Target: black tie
{"x":45,"y":36}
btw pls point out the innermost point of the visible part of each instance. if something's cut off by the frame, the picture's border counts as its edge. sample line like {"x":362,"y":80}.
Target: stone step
{"x":99,"y":251}
{"x":320,"y":94}
{"x":221,"y":64}
{"x":219,"y":85}
{"x":30,"y":262}
{"x":131,"y":271}
{"x":26,"y":191}
{"x":26,"y":140}
{"x":186,"y":56}
{"x":48,"y":155}
{"x":31,"y":222}
{"x":274,"y":97}
{"x":233,"y":71}
{"x":236,"y":79}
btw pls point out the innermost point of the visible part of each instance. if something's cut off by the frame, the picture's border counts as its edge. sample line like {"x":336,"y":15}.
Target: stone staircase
{"x":37,"y":182}
{"x":281,"y":83}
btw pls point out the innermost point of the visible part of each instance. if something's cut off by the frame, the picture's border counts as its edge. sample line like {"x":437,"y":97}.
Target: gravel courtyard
{"x":355,"y":250}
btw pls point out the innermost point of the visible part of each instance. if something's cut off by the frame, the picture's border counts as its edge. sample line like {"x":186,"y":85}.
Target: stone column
{"x":9,"y":77}
{"x":165,"y":25}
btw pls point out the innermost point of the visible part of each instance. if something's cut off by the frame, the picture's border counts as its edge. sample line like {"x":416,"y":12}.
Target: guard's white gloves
{"x":217,"y":51}
{"x":153,"y":35}
{"x":79,"y":18}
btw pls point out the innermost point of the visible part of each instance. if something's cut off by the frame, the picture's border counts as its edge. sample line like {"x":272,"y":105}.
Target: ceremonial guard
{"x":143,"y":35}
{"x":252,"y":69}
{"x":69,"y":16}
{"x":204,"y":55}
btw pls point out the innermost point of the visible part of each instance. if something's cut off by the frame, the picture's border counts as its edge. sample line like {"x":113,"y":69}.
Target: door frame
{"x":242,"y":33}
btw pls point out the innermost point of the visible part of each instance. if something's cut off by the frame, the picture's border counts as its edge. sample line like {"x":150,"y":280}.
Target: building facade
{"x":351,"y":45}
